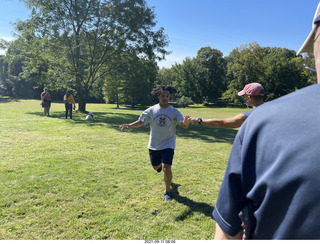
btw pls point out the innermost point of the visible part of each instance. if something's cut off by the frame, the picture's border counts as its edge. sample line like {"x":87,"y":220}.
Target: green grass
{"x":75,"y":179}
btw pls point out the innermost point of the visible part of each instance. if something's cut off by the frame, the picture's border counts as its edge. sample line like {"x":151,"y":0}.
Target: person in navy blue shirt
{"x":253,"y":94}
{"x":272,"y":182}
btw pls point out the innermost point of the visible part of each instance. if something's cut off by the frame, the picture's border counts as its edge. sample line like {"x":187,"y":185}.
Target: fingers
{"x":193,"y":120}
{"x":122,"y":127}
{"x":186,"y":120}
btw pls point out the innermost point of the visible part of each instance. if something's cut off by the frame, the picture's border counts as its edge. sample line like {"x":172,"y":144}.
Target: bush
{"x":184,"y":101}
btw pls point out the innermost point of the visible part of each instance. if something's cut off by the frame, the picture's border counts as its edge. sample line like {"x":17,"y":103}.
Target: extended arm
{"x":73,"y":102}
{"x":135,"y":124}
{"x":234,"y":122}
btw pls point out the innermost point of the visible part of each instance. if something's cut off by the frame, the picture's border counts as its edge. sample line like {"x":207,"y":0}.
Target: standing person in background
{"x":253,"y":94}
{"x":163,"y":120}
{"x":46,"y":101}
{"x":271,"y":183}
{"x":69,"y":101}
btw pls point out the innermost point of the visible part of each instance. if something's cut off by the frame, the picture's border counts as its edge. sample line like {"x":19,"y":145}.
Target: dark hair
{"x":160,"y":88}
{"x":257,"y":98}
{"x":68,"y":93}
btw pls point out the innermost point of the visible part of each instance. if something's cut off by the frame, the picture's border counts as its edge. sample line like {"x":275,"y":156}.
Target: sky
{"x":219,"y":24}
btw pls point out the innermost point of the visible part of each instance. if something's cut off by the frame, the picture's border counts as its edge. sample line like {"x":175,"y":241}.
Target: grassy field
{"x":73,"y":179}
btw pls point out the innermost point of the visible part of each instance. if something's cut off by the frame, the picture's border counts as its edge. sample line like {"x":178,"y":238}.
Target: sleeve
{"x":231,"y":198}
{"x":179,"y":117}
{"x":246,"y":114}
{"x":145,"y":117}
{"x":72,"y":100}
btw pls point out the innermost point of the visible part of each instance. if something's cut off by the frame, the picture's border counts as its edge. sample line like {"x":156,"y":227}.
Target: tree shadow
{"x":8,"y":100}
{"x":208,"y":133}
{"x":114,"y":120}
{"x":193,"y":206}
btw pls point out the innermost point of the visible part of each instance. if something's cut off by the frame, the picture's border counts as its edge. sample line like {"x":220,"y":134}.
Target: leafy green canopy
{"x":70,"y":43}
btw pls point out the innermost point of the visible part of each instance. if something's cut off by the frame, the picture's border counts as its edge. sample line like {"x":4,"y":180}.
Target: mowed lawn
{"x":74,"y":179}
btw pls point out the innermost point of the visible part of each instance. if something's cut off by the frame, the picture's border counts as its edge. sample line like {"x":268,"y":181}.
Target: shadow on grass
{"x":114,"y":120}
{"x":8,"y":100}
{"x":208,"y":133}
{"x":193,"y":206}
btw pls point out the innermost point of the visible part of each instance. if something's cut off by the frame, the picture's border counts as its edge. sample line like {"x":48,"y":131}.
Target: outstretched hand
{"x":193,"y":120}
{"x":185,"y":123}
{"x":124,"y":126}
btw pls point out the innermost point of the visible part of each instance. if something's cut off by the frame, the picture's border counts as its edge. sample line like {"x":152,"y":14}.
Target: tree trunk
{"x":82,"y":105}
{"x":82,"y":99}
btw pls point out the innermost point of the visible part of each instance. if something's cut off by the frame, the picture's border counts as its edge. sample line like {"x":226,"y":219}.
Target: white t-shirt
{"x":163,"y":122}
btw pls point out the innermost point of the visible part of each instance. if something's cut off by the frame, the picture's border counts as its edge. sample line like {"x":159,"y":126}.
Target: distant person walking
{"x":69,"y":101}
{"x":253,"y":94}
{"x":46,"y":101}
{"x":163,"y":120}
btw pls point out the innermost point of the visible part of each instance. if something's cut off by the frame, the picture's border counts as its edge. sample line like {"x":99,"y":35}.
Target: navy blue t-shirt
{"x":273,"y":173}
{"x":246,"y":114}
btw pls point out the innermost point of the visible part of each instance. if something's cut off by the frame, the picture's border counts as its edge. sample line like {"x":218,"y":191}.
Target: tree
{"x":202,"y":78}
{"x":11,"y":83}
{"x":132,"y":81}
{"x":165,"y":76}
{"x":139,"y":82}
{"x":281,"y":72}
{"x":184,"y":101}
{"x":277,"y":69}
{"x":187,"y":79}
{"x":213,"y":71}
{"x":244,"y":66}
{"x":79,"y":40}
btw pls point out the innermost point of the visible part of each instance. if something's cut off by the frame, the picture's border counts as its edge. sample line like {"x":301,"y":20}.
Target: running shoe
{"x":167,"y":196}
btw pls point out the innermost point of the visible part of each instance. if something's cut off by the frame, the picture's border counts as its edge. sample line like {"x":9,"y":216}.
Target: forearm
{"x":220,"y":123}
{"x":234,"y":122}
{"x":135,"y":124}
{"x":221,"y":235}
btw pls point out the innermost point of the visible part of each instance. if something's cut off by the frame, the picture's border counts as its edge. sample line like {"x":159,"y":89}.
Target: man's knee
{"x":166,"y":167}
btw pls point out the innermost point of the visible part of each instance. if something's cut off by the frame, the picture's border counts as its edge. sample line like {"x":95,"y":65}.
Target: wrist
{"x":199,"y":121}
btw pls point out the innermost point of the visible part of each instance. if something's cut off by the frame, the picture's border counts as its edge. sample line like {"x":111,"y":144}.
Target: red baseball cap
{"x":252,"y":89}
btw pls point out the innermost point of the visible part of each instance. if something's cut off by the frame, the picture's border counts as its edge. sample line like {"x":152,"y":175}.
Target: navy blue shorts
{"x":161,"y":156}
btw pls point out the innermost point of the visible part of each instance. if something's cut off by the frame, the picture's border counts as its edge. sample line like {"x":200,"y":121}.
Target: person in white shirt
{"x":163,"y":120}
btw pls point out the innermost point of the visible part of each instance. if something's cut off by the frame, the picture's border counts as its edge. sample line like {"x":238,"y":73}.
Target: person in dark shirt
{"x":46,"y":101}
{"x":271,"y":184}
{"x":253,"y":94}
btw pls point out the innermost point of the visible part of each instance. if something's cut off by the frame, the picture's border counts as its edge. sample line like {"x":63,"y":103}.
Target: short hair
{"x":160,"y":88}
{"x":256,"y":98}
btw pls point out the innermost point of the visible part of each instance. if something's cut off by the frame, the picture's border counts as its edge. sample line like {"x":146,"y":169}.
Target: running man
{"x":163,"y":120}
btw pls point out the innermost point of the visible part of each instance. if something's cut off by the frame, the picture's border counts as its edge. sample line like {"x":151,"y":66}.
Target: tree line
{"x":210,"y":77}
{"x":108,"y":50}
